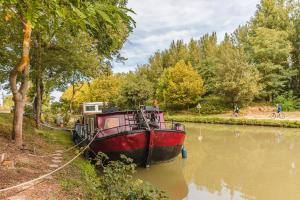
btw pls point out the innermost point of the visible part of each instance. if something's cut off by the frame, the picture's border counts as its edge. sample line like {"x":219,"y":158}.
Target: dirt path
{"x":18,"y":166}
{"x":264,"y":113}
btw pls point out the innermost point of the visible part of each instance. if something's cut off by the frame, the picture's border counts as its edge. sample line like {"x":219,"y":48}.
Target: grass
{"x":234,"y":121}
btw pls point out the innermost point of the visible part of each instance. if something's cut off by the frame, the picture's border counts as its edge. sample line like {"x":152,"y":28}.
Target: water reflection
{"x":232,"y":162}
{"x":168,"y":177}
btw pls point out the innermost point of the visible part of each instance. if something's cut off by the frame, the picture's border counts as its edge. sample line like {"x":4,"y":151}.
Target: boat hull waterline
{"x":166,"y":145}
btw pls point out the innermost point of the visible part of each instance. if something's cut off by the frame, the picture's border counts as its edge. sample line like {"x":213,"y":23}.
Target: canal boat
{"x":142,"y":135}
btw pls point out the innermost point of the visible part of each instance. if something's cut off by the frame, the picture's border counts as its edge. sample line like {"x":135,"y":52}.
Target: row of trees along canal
{"x":49,"y":44}
{"x":259,"y":61}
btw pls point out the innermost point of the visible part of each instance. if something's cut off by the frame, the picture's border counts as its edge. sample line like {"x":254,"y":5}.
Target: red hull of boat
{"x":144,"y":147}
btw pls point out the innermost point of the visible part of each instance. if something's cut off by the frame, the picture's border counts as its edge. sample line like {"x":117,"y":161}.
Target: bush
{"x":288,"y":102}
{"x":115,"y":181}
{"x":29,"y":111}
{"x":213,"y":105}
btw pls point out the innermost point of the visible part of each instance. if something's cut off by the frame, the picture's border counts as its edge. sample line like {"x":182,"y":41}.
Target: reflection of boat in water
{"x":142,"y":135}
{"x":167,"y":177}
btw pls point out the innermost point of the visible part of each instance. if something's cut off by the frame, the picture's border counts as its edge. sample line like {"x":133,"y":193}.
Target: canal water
{"x":232,"y":162}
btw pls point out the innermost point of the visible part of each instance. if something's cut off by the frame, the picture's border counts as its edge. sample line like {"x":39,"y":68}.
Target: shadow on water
{"x":232,"y":162}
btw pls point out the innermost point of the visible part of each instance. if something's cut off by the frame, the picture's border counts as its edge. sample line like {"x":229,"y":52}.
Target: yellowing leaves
{"x":180,"y":86}
{"x":7,"y":17}
{"x":103,"y":89}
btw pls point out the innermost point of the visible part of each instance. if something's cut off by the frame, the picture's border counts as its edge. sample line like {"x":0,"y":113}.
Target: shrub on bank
{"x":115,"y":181}
{"x":213,"y":105}
{"x":288,"y":102}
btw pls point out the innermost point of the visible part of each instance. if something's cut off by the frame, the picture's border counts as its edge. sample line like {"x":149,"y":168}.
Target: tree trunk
{"x":19,"y":94}
{"x":38,"y":81}
{"x":72,"y":98}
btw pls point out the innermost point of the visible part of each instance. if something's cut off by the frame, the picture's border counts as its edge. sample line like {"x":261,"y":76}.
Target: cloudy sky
{"x":158,"y":22}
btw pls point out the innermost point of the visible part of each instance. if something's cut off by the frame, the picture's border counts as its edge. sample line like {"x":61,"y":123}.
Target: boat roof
{"x":120,"y":112}
{"x":115,"y":111}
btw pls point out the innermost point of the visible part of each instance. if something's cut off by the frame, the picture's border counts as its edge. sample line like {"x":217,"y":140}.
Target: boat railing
{"x":84,"y":133}
{"x":123,"y":128}
{"x":82,"y":130}
{"x":172,"y":125}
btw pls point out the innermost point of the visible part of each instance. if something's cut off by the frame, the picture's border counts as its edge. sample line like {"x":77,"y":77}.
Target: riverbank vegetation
{"x":78,"y":180}
{"x":233,"y":120}
{"x":257,"y":63}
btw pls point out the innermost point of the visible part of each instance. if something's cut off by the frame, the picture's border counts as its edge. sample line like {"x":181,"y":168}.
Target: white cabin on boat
{"x":93,"y":107}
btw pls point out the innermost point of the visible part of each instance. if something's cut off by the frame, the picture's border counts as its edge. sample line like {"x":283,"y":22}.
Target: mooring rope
{"x":52,"y":172}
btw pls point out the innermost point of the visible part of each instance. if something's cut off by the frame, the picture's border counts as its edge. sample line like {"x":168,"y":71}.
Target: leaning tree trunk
{"x":19,"y":94}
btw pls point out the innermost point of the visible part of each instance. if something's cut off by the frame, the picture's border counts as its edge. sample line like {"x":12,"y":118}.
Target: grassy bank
{"x":79,"y":180}
{"x":233,"y":121}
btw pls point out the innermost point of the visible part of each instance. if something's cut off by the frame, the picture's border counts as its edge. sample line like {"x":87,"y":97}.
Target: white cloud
{"x":161,"y":21}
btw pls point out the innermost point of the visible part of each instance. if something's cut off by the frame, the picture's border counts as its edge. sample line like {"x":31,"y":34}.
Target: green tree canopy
{"x":180,"y":86}
{"x":101,"y":89}
{"x":99,"y":19}
{"x":236,"y":81}
{"x":135,"y":91}
{"x":270,"y":53}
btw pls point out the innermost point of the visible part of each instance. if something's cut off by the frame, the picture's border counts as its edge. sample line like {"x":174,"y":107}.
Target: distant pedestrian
{"x":236,"y":110}
{"x":78,"y":126}
{"x":278,"y":108}
{"x":198,"y":107}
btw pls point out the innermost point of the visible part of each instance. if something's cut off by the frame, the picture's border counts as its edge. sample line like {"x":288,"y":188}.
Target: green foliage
{"x":117,"y":183}
{"x":78,"y":34}
{"x":288,"y":102}
{"x":207,"y":66}
{"x":92,"y":181}
{"x":8,"y":101}
{"x":135,"y":91}
{"x":101,"y":89}
{"x":272,"y":14}
{"x":271,"y":50}
{"x":236,"y":81}
{"x":257,"y":62}
{"x":270,"y":46}
{"x":295,"y":53}
{"x":213,"y":105}
{"x":28,"y":111}
{"x":180,"y":86}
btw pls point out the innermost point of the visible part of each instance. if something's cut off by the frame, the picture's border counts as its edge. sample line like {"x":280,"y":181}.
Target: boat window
{"x":90,"y":108}
{"x":111,"y":123}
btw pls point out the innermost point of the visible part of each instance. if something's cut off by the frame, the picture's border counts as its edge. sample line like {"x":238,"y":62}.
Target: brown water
{"x":234,"y":163}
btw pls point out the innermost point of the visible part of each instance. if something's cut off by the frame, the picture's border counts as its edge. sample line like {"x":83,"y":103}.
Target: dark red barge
{"x":142,"y":135}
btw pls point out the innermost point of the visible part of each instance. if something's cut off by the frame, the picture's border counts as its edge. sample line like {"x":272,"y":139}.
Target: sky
{"x":158,"y":22}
